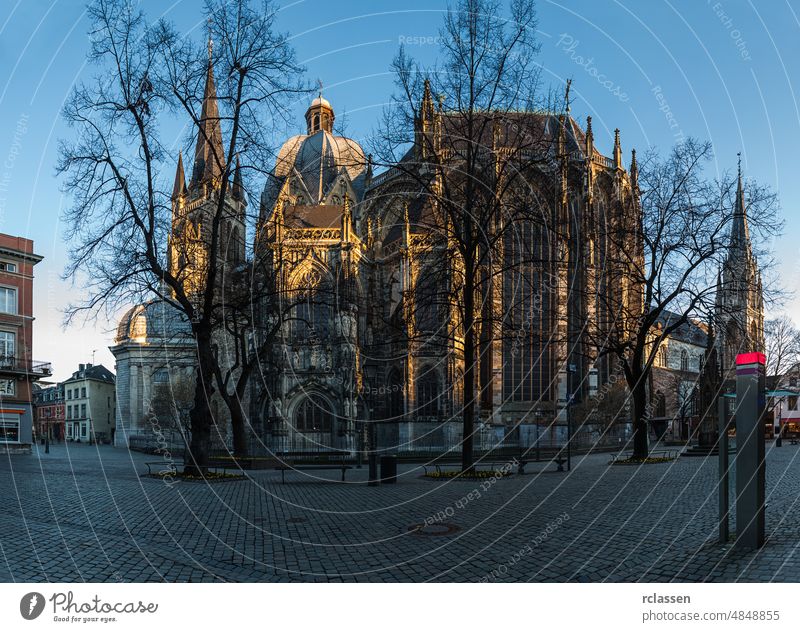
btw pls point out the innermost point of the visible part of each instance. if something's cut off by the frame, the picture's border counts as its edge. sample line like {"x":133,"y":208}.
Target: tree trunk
{"x":640,"y":416}
{"x":469,"y":370}
{"x":200,"y":415}
{"x":238,"y":427}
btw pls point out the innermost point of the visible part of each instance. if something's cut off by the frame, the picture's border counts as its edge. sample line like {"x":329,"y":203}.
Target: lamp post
{"x":372,"y":458}
{"x":570,"y":372}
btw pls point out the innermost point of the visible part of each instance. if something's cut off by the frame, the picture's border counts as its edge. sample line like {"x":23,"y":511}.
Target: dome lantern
{"x":319,"y":116}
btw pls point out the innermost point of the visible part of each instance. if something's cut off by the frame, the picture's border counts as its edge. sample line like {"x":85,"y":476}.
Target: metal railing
{"x":24,"y":365}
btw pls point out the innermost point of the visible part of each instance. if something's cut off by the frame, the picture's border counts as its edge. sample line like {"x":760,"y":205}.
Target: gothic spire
{"x":634,"y":170}
{"x":740,"y":232}
{"x":617,"y":150}
{"x":209,"y":154}
{"x":238,"y":188}
{"x":179,"y":188}
{"x":589,"y":137}
{"x":347,"y":217}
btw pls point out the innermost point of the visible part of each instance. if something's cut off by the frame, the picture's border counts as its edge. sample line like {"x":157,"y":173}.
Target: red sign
{"x":751,"y":358}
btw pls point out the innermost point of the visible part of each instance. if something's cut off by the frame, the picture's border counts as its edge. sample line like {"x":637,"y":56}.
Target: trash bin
{"x":388,"y":469}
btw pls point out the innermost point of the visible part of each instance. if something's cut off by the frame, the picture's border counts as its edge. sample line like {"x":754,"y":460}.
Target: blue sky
{"x":659,"y":70}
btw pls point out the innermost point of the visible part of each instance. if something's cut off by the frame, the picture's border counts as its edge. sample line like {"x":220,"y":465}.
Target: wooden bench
{"x":312,"y":466}
{"x":299,"y":460}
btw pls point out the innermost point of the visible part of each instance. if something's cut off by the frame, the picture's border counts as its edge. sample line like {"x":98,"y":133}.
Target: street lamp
{"x":570,"y":372}
{"x":372,"y":458}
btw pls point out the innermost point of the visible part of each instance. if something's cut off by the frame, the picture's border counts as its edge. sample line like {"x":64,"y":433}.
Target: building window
{"x":7,"y":267}
{"x":9,"y":429}
{"x":83,"y":430}
{"x":83,"y":391}
{"x":83,"y":411}
{"x":161,"y":376}
{"x":428,"y":395}
{"x":7,"y":346}
{"x":69,"y":412}
{"x":314,"y":415}
{"x":684,"y":360}
{"x":662,"y":357}
{"x":8,"y":387}
{"x":8,"y":300}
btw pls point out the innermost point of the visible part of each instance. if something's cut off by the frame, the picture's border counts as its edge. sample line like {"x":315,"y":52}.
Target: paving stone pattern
{"x":84,"y":513}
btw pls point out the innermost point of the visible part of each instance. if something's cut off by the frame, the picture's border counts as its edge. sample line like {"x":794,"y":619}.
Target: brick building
{"x":49,"y":410}
{"x":18,"y":370}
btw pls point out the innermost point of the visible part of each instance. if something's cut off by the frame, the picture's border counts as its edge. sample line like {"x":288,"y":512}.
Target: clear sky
{"x":659,"y":70}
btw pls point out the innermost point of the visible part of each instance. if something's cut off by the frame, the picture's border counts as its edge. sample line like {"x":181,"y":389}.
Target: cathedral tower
{"x":194,"y":207}
{"x":739,"y":310}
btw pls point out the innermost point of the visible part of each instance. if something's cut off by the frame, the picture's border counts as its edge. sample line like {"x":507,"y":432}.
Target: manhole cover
{"x":440,"y":528}
{"x":295,"y":520}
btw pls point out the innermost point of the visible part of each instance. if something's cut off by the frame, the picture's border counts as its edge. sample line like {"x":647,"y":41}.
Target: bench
{"x":312,"y":466}
{"x":172,"y":468}
{"x":296,"y":461}
{"x":521,"y":457}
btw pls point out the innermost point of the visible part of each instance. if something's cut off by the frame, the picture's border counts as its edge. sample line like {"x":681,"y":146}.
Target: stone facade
{"x":353,"y":252}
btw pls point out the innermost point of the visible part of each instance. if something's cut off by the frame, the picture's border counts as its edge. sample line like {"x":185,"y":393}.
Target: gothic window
{"x":426,"y":300}
{"x":428,"y":394}
{"x":684,"y":360}
{"x":395,"y":390}
{"x":233,"y":246}
{"x":313,"y":415}
{"x":314,"y":308}
{"x":661,"y":405}
{"x":662,"y":356}
{"x":312,"y":321}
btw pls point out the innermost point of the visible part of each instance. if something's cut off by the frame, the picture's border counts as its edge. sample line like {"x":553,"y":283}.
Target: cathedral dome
{"x":319,"y":156}
{"x":152,"y":322}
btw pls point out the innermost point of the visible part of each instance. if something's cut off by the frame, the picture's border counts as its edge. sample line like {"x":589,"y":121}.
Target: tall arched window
{"x":315,"y":123}
{"x":313,"y":415}
{"x":662,"y":356}
{"x":394,"y":383}
{"x":661,"y":405}
{"x":428,"y":394}
{"x":684,"y":360}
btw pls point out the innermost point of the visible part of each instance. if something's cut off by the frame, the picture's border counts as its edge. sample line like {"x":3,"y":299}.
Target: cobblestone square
{"x":84,"y":513}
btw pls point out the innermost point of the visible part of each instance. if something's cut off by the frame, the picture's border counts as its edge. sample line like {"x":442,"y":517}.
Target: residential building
{"x":49,"y":411}
{"x":18,"y":371}
{"x":675,"y":378}
{"x":90,"y":402}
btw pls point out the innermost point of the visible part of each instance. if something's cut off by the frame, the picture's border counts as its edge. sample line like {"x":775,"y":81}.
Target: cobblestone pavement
{"x":84,"y":513}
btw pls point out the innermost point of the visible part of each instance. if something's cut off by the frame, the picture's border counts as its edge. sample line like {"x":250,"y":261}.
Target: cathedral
{"x":353,"y":251}
{"x":359,"y":347}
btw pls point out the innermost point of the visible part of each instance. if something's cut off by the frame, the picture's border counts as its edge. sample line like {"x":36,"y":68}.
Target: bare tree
{"x":466,"y":178}
{"x":681,"y":243}
{"x":134,"y":229}
{"x":782,"y":339}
